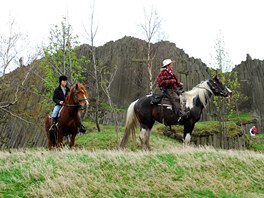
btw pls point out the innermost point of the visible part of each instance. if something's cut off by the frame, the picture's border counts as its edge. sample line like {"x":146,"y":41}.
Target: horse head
{"x":78,"y":96}
{"x":218,"y":88}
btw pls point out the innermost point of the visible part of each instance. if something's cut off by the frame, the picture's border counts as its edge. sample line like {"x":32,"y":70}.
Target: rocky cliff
{"x":129,"y":55}
{"x":251,"y":76}
{"x":21,"y":124}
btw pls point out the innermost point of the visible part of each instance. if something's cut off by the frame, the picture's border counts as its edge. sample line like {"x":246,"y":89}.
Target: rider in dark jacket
{"x":59,"y":96}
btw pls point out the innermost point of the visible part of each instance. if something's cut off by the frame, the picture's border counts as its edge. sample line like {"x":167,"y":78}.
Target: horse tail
{"x":131,"y":124}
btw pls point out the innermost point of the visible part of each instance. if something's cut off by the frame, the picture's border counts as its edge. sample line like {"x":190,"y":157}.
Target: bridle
{"x":216,"y":87}
{"x":75,"y":93}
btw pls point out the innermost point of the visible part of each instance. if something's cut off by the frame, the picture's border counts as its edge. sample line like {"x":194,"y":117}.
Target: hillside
{"x":168,"y":172}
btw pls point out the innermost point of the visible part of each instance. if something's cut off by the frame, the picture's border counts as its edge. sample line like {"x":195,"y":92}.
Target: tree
{"x":8,"y":47}
{"x":60,"y":58}
{"x":91,"y":34}
{"x":151,"y":27}
{"x":221,"y":60}
{"x":107,"y":77}
{"x":223,"y":66}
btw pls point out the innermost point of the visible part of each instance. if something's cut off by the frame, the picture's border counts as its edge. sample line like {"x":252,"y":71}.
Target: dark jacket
{"x":59,"y":96}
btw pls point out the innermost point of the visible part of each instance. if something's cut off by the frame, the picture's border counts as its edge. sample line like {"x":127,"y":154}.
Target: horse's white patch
{"x":166,"y":105}
{"x":143,"y":133}
{"x":187,"y":139}
{"x":169,"y":107}
{"x":86,"y":100}
{"x":229,"y":91}
{"x":202,"y":90}
{"x":143,"y":130}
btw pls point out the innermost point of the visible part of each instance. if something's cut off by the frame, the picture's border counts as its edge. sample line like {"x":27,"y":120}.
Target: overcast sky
{"x":192,"y":25}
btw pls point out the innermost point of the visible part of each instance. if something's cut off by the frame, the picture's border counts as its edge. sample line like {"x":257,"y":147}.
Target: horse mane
{"x":202,"y":90}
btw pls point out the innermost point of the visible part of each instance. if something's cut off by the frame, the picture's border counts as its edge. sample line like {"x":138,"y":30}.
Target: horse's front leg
{"x":60,"y":139}
{"x":72,"y":140}
{"x":188,"y":128}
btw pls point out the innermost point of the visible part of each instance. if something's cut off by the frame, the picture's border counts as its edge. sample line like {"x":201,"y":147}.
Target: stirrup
{"x":82,"y":129}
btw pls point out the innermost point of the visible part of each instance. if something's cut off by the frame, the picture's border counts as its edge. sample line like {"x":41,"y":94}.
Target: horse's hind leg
{"x":144,"y":138}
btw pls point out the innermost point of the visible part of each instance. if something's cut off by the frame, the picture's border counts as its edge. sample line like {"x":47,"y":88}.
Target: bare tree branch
{"x":8,"y":51}
{"x":16,"y":98}
{"x":150,"y":27}
{"x":14,"y":115}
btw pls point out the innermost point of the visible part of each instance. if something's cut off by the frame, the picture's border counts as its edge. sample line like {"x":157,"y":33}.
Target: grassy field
{"x":96,"y":168}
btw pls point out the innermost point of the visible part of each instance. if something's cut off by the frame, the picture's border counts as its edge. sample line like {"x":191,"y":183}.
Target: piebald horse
{"x":144,"y":113}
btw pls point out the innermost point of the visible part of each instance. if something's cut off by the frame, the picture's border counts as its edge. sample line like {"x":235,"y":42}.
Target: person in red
{"x":168,"y":84}
{"x":253,"y":131}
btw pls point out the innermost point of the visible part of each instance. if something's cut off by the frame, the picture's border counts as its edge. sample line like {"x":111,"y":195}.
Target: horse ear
{"x":216,"y":77}
{"x":76,"y":86}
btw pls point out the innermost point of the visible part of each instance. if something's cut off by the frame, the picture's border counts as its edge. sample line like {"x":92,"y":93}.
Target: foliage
{"x":61,"y":59}
{"x":229,"y":105}
{"x":222,"y":64}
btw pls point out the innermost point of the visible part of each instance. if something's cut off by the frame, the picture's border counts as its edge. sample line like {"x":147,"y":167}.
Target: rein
{"x":68,"y":105}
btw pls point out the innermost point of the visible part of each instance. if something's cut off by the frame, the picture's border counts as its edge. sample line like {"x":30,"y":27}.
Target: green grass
{"x":108,"y":138}
{"x":241,"y":118}
{"x":207,"y":128}
{"x":257,"y":142}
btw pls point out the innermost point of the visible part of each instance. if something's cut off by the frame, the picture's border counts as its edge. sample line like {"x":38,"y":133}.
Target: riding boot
{"x":53,"y":124}
{"x":82,"y":129}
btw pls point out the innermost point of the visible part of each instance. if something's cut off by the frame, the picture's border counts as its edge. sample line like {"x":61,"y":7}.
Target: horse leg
{"x":188,"y":128}
{"x":72,"y":140}
{"x":50,"y":143}
{"x":144,"y":138}
{"x":48,"y":133}
{"x":60,"y":139}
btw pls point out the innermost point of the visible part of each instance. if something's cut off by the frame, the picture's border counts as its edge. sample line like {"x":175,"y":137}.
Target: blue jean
{"x":55,"y":111}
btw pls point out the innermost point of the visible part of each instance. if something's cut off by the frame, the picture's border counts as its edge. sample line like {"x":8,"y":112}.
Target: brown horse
{"x":68,"y":118}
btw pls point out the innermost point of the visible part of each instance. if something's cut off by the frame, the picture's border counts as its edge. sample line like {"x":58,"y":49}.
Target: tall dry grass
{"x":168,"y":172}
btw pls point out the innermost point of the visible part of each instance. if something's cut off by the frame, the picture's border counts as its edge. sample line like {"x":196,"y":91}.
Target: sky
{"x":191,"y":24}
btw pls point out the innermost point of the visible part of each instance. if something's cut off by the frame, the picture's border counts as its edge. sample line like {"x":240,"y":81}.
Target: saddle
{"x":159,"y":99}
{"x":163,"y":99}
